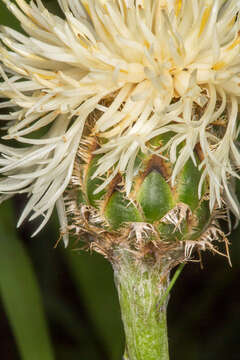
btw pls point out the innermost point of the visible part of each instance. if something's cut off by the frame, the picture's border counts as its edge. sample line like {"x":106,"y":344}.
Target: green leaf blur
{"x":20,"y":293}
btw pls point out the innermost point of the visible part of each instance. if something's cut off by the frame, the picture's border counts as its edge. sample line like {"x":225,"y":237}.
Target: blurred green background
{"x":61,"y":304}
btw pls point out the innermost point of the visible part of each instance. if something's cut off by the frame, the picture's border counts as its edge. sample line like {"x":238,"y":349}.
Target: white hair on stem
{"x":172,"y":65}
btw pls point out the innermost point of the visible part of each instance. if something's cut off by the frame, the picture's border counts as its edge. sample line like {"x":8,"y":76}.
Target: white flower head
{"x":167,"y":65}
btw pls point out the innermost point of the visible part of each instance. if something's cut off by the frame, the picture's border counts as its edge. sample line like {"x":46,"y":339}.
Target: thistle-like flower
{"x":145,"y":67}
{"x":124,"y":114}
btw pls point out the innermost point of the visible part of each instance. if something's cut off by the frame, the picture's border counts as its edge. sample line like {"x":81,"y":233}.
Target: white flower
{"x":171,"y":65}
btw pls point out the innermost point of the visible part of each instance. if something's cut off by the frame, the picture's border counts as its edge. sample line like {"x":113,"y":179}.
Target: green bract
{"x":154,"y":213}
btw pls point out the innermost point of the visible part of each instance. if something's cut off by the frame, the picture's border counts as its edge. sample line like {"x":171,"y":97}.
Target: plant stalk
{"x":141,"y":288}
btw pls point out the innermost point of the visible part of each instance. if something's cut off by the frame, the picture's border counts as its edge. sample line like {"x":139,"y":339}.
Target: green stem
{"x":141,"y":288}
{"x":172,"y":282}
